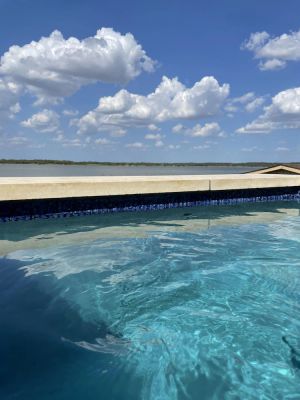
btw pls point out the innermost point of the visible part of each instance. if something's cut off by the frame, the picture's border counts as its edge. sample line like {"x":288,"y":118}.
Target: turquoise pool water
{"x":199,"y":303}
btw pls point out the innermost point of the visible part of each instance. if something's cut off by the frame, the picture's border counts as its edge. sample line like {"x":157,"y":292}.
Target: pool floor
{"x":199,"y":303}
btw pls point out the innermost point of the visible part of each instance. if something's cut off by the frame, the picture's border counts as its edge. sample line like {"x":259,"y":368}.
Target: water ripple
{"x":173,"y":315}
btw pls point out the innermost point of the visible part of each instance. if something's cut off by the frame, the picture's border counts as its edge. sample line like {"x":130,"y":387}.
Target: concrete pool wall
{"x":63,"y":187}
{"x":37,"y":197}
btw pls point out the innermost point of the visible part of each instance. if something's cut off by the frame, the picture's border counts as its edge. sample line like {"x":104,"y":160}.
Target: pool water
{"x":199,"y":303}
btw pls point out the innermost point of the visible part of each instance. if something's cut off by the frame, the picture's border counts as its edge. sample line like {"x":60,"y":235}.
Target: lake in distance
{"x":14,"y":170}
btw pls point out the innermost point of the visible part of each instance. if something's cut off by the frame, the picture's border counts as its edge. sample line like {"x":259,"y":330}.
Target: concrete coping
{"x":27,"y":188}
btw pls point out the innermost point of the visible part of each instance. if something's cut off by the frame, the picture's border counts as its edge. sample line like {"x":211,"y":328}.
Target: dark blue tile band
{"x":79,"y":206}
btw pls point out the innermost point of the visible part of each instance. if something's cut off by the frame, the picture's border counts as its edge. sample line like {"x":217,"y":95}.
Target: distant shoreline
{"x":142,"y":164}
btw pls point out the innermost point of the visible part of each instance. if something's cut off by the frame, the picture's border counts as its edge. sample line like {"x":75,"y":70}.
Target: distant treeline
{"x":146,"y":164}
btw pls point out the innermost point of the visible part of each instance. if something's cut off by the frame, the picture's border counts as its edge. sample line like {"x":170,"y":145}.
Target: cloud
{"x":254,"y":104}
{"x":19,"y":141}
{"x":70,"y":113}
{"x":171,"y":100}
{"x":67,"y":142}
{"x":174,"y":146}
{"x":282,"y":149}
{"x":274,"y":52}
{"x":250,"y":149}
{"x":15,"y":109}
{"x":272,"y":65}
{"x":59,"y":138}
{"x":73,"y":143}
{"x":103,"y":141}
{"x":256,"y":127}
{"x":245,"y":98}
{"x":179,"y":128}
{"x":153,"y":127}
{"x":136,"y":145}
{"x":249,"y":102}
{"x":255,"y":41}
{"x":208,"y":129}
{"x":159,"y":143}
{"x":282,"y":113}
{"x":9,"y":95}
{"x":153,"y":136}
{"x":46,"y":121}
{"x":201,"y":147}
{"x":55,"y":67}
{"x":157,"y":137}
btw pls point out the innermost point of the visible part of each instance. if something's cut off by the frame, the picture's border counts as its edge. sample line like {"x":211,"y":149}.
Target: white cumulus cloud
{"x":171,"y":100}
{"x":55,"y":67}
{"x":45,"y":121}
{"x":208,"y":129}
{"x":9,"y":95}
{"x":274,"y":52}
{"x":282,"y":113}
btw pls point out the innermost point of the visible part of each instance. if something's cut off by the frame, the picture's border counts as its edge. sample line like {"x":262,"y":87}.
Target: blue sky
{"x":186,"y":81}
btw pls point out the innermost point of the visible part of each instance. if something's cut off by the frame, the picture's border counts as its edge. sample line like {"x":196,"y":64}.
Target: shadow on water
{"x":36,"y":363}
{"x":69,"y":225}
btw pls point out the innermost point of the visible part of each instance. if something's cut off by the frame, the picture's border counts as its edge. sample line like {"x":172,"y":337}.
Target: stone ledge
{"x":47,"y":188}
{"x":69,"y":187}
{"x":254,"y":181}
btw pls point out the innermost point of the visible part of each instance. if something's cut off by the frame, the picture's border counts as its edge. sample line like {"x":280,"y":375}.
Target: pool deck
{"x":25,"y":188}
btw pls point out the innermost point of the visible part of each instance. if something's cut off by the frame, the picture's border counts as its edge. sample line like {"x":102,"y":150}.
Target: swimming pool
{"x":198,"y":303}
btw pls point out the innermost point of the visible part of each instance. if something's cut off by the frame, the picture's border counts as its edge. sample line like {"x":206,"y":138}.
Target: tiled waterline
{"x":70,"y":207}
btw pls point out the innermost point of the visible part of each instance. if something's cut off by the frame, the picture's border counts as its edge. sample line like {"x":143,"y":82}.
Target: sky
{"x":150,"y":81}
